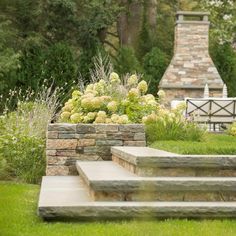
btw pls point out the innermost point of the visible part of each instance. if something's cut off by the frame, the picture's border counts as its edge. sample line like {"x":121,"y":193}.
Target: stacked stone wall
{"x":67,"y":143}
{"x":180,"y":94}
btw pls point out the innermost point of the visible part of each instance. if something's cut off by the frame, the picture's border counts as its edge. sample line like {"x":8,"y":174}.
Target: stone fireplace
{"x":191,"y":67}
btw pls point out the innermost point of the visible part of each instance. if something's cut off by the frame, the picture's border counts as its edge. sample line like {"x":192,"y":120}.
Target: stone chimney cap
{"x":192,"y":13}
{"x":185,"y":17}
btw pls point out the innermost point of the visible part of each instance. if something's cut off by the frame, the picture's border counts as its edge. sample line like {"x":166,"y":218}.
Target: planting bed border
{"x":67,"y":143}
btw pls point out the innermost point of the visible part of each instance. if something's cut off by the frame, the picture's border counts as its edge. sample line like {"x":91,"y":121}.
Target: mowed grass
{"x":18,"y":217}
{"x":212,"y":144}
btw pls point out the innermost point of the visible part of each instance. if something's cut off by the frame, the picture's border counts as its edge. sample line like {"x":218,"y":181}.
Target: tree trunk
{"x":130,"y":22}
{"x":152,"y":15}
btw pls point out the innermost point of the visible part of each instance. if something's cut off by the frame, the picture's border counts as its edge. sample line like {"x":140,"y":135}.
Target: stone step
{"x":66,"y":197}
{"x":107,"y":181}
{"x":145,"y":161}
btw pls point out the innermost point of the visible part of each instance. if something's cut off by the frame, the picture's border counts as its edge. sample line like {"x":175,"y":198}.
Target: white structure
{"x":225,"y":91}
{"x":206,"y":91}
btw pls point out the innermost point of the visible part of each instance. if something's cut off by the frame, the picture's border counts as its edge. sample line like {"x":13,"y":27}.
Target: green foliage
{"x":26,"y":14}
{"x":224,"y":58}
{"x":4,"y":169}
{"x":96,"y":17}
{"x":56,"y":64}
{"x":126,"y":61}
{"x":232,"y":129}
{"x":173,"y":131}
{"x":23,"y":131}
{"x":144,"y":42}
{"x":59,"y":65}
{"x":24,"y":156}
{"x":31,"y":63}
{"x":154,"y":64}
{"x":167,"y":124}
{"x":60,"y":18}
{"x":110,"y":101}
{"x":223,"y":19}
{"x":212,"y":144}
{"x":9,"y":57}
{"x":86,"y":60}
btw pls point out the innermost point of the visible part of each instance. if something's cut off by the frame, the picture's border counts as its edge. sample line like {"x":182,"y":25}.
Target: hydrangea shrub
{"x":110,"y":101}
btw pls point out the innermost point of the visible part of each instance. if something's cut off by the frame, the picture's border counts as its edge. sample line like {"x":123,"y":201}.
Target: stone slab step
{"x":66,"y":197}
{"x":109,"y":181}
{"x":147,"y":161}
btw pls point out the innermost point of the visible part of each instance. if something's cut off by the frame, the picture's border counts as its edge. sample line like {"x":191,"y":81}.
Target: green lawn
{"x":212,"y":144}
{"x":18,"y":207}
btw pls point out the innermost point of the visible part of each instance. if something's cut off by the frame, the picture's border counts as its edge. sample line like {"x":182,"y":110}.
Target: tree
{"x":9,"y":57}
{"x":154,"y":65}
{"x":224,"y":58}
{"x":126,"y":61}
{"x":223,"y":20}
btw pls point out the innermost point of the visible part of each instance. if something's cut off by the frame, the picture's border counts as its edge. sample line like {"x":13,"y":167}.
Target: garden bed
{"x":67,"y":143}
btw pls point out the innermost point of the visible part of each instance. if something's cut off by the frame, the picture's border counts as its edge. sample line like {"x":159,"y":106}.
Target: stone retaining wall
{"x":67,"y":143}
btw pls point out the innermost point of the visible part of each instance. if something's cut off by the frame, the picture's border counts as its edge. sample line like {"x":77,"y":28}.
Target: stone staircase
{"x":142,"y":182}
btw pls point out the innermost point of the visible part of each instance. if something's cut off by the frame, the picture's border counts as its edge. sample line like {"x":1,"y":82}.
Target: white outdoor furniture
{"x":211,"y":110}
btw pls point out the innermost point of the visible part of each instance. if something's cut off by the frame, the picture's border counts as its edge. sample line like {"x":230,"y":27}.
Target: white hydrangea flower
{"x":152,"y":102}
{"x":161,"y":94}
{"x":114,"y":78}
{"x":112,"y":106}
{"x":89,"y":88}
{"x":149,"y":97}
{"x":68,"y":107}
{"x":76,"y":94}
{"x":123,"y":119}
{"x":115,"y":118}
{"x":76,"y":118}
{"x":132,"y":80}
{"x":86,"y":103}
{"x":100,"y":120}
{"x":102,"y":114}
{"x":65,"y":115}
{"x":96,"y":103}
{"x":108,"y":121}
{"x":142,"y":86}
{"x":133,"y":93}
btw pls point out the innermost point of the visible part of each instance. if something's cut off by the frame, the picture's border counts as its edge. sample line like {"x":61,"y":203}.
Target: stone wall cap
{"x":144,"y":156}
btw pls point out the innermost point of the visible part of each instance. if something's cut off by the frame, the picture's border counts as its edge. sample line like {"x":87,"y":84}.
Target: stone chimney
{"x":191,"y":67}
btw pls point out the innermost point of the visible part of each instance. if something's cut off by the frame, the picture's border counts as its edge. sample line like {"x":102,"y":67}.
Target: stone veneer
{"x":191,"y":67}
{"x":67,"y":143}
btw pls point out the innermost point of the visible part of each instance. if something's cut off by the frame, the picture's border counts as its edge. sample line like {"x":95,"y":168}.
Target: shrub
{"x":224,"y":58}
{"x":22,"y":142}
{"x":4,"y":169}
{"x":110,"y":101}
{"x":31,"y":63}
{"x":167,"y":124}
{"x":24,"y":157}
{"x":126,"y":61}
{"x":59,"y":65}
{"x":22,"y":134}
{"x":154,"y":64}
{"x":56,"y":64}
{"x":232,"y":129}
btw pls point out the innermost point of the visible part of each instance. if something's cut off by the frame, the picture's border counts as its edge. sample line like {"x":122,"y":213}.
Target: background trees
{"x":58,"y":39}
